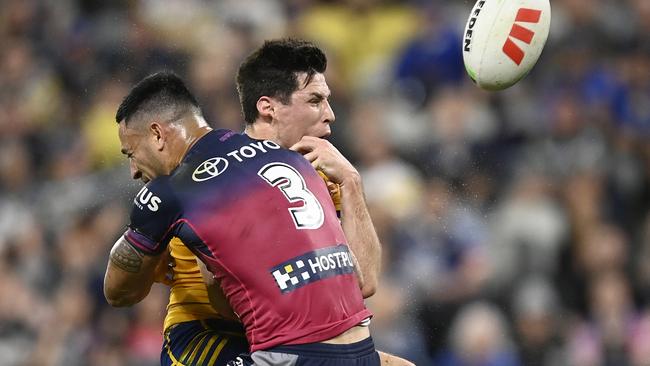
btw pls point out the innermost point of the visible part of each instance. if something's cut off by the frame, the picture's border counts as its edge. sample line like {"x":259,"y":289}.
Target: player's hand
{"x":325,"y":157}
{"x":164,"y":272}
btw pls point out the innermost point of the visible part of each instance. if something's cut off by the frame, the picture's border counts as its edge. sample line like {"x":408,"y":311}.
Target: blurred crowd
{"x":515,"y":225}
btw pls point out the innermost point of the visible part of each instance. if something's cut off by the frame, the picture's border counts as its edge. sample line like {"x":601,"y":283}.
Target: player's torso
{"x":188,"y":298}
{"x":271,"y":235}
{"x":248,"y":196}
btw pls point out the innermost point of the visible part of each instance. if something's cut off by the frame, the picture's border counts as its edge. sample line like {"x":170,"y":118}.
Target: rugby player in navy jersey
{"x":225,"y":209}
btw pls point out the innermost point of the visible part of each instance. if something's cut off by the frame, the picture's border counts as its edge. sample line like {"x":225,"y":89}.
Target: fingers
{"x":302,"y":146}
{"x":323,"y":156}
{"x":311,"y":156}
{"x":308,"y":143}
{"x":315,"y":159}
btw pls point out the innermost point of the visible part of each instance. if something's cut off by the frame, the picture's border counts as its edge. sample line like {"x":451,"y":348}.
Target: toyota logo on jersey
{"x":209,"y":169}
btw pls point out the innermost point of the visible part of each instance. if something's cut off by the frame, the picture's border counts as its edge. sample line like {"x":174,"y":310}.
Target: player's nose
{"x":329,"y":112}
{"x":135,"y":172}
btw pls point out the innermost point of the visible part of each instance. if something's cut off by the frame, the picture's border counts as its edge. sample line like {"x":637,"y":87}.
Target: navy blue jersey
{"x":263,"y":221}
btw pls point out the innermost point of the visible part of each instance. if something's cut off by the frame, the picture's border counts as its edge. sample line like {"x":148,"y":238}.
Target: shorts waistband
{"x":352,"y":350}
{"x":224,"y":325}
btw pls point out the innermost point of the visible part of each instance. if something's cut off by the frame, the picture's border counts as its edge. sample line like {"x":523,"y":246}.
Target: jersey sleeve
{"x":154,"y":215}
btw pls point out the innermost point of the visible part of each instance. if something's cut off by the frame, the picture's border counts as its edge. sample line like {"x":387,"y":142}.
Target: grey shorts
{"x":355,"y":354}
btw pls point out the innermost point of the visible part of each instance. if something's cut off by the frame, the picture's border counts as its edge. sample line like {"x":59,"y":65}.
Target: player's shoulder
{"x":217,"y":138}
{"x":154,"y":211}
{"x":162,"y":184}
{"x":157,"y":196}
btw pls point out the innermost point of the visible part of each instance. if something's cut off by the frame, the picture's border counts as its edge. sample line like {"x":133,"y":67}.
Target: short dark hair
{"x":162,"y":91}
{"x":272,"y":70}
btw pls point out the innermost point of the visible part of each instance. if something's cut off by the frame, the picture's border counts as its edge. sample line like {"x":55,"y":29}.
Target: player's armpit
{"x":129,"y":274}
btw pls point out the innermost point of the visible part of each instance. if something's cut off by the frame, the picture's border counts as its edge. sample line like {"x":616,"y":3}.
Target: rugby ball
{"x":503,"y":40}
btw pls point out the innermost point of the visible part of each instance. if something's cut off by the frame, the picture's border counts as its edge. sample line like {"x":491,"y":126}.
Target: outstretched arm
{"x":129,"y":274}
{"x":355,"y":218}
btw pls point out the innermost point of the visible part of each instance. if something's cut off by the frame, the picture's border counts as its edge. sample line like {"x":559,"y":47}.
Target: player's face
{"x":308,"y":113}
{"x":142,"y":156}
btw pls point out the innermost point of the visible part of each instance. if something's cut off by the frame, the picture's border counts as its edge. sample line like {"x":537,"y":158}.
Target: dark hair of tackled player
{"x":162,"y":92}
{"x":158,"y":121}
{"x":273,"y":71}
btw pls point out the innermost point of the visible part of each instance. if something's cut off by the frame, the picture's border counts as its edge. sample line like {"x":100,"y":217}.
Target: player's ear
{"x":157,"y":134}
{"x":265,"y":108}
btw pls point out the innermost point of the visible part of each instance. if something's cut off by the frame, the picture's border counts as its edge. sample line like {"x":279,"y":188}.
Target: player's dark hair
{"x":272,"y":70}
{"x":156,"y":93}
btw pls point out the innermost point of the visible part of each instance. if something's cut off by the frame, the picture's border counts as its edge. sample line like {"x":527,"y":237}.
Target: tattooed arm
{"x":129,"y":274}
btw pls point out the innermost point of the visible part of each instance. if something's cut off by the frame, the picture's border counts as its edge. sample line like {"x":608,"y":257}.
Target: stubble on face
{"x":141,"y":160}
{"x":308,"y":112}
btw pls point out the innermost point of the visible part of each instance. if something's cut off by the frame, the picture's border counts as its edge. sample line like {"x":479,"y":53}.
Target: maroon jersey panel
{"x":263,"y":221}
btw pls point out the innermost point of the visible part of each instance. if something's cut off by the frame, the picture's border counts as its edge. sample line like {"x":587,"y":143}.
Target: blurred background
{"x":515,"y":225}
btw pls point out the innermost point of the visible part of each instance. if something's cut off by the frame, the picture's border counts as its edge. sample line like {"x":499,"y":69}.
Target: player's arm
{"x":361,"y":234}
{"x":217,"y":298}
{"x":136,"y":256}
{"x":129,"y":274}
{"x":355,"y":218}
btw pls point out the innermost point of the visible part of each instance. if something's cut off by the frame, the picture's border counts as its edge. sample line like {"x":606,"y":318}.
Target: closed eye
{"x":128,"y":154}
{"x":317,"y":98}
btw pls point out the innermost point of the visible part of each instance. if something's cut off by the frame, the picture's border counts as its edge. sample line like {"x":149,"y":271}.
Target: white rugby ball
{"x":503,"y":40}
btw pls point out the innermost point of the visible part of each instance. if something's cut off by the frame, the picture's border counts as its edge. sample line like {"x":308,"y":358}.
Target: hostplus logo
{"x":510,"y":48}
{"x":313,"y":266}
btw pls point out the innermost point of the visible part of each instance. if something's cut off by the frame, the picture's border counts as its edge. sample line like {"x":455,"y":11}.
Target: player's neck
{"x":193,"y":135}
{"x":261,"y":131}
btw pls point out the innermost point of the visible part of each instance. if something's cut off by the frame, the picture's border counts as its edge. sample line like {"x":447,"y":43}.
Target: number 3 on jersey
{"x":292,"y":185}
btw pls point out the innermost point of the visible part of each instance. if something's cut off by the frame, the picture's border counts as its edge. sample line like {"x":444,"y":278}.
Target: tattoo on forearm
{"x":126,"y":257}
